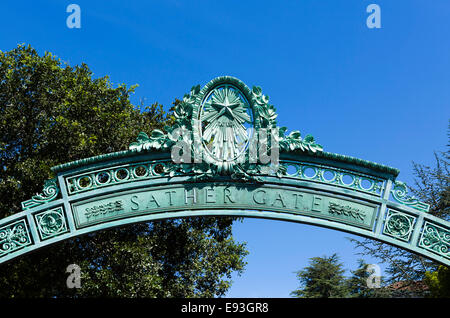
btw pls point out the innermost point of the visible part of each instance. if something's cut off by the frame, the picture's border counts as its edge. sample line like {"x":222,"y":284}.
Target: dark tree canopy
{"x":52,"y":113}
{"x":323,"y":278}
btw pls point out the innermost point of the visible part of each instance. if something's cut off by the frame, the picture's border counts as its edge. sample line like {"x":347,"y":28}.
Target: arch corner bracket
{"x":49,"y":193}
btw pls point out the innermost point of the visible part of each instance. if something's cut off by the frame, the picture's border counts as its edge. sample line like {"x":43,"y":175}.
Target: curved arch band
{"x":304,"y":184}
{"x":91,"y":206}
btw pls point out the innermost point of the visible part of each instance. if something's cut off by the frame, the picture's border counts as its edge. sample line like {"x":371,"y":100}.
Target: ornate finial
{"x":219,"y":124}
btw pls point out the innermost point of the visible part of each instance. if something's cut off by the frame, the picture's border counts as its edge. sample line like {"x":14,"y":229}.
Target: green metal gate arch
{"x":306,"y":184}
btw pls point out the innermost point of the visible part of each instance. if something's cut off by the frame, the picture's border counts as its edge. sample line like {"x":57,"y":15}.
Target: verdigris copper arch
{"x":308,"y":185}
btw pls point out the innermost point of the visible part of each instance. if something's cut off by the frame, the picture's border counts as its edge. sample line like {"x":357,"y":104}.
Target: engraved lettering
{"x":297,"y":200}
{"x":135,"y":202}
{"x":192,"y":196}
{"x":263,"y":197}
{"x":210,"y":197}
{"x":279,"y":198}
{"x":227,"y":194}
{"x":172,"y":199}
{"x":153,"y":199}
{"x":317,"y":204}
{"x":170,"y":196}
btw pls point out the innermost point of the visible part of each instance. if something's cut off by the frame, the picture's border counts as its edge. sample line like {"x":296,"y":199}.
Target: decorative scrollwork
{"x":214,"y":119}
{"x":266,"y":118}
{"x":266,"y":113}
{"x":13,"y":237}
{"x":156,"y":140}
{"x":400,"y":194}
{"x":111,"y":176}
{"x":160,"y":140}
{"x":294,"y":141}
{"x":335,"y":176}
{"x":49,"y":193}
{"x":51,"y":223}
{"x":399,"y":225}
{"x":104,"y":209}
{"x":435,"y":239}
{"x":334,"y":208}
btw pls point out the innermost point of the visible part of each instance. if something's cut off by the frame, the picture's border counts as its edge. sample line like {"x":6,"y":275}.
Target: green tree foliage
{"x":52,"y":113}
{"x":432,"y":185}
{"x":323,"y":278}
{"x":439,"y":282}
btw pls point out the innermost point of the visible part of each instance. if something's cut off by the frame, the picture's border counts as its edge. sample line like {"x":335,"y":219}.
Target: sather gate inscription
{"x":225,"y":156}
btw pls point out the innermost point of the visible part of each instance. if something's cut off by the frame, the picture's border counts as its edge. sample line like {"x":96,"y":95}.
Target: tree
{"x":52,"y":113}
{"x":358,"y":287}
{"x":439,"y":282}
{"x":432,"y":185}
{"x":323,"y":278}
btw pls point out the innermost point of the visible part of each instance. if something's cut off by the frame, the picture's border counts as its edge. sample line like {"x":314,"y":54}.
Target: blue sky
{"x":376,"y":94}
